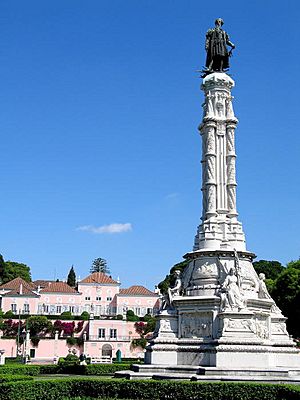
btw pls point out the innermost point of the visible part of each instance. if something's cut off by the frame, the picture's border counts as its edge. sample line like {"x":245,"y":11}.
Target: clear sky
{"x":100,"y":103}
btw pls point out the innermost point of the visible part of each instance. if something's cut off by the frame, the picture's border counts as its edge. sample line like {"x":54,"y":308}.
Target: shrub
{"x":9,"y":314}
{"x":141,"y":342}
{"x":120,"y":317}
{"x":85,"y":315}
{"x":66,"y":315}
{"x":35,"y":340}
{"x":71,"y":341}
{"x":147,"y":389}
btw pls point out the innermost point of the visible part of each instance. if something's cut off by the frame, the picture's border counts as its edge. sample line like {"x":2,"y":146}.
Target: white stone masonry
{"x":220,"y":228}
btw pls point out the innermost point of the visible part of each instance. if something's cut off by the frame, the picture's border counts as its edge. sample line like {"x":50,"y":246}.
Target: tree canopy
{"x":11,"y":269}
{"x":99,"y":265}
{"x":71,"y":280}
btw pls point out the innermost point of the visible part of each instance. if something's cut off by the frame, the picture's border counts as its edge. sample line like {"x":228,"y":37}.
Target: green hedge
{"x":14,"y":378}
{"x":154,"y":390}
{"x":20,"y":369}
{"x":91,"y":369}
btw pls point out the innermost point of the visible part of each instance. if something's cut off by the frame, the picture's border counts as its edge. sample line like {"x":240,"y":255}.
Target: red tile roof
{"x":99,"y":277}
{"x":42,"y":283}
{"x":58,"y":287}
{"x":136,"y":290}
{"x":19,"y":286}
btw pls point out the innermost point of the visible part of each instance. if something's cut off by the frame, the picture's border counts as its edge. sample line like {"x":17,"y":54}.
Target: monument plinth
{"x":219,"y":318}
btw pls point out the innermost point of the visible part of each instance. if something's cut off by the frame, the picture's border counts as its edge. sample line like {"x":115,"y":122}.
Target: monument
{"x":219,"y":316}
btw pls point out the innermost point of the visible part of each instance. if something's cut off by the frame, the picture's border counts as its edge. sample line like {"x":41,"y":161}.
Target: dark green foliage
{"x":13,"y":270}
{"x":154,"y":390}
{"x":2,"y":266}
{"x":272,"y":269}
{"x":130,"y":316}
{"x":38,"y":324}
{"x":14,"y":378}
{"x":120,"y":317}
{"x":85,"y":315}
{"x":141,"y":342}
{"x":66,"y":315}
{"x":99,"y":265}
{"x":71,"y":280}
{"x":169,"y":280}
{"x":35,"y":340}
{"x":20,"y":369}
{"x":286,"y":293}
{"x":71,"y":341}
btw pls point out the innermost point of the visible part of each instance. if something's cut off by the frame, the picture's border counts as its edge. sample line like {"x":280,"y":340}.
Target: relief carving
{"x":195,"y":326}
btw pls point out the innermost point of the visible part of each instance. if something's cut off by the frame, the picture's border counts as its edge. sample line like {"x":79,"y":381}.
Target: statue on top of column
{"x":216,"y":44}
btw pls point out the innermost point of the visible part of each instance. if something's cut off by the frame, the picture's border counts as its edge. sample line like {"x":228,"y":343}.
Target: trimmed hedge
{"x":154,"y":390}
{"x":14,"y":378}
{"x":20,"y":369}
{"x":91,"y":369}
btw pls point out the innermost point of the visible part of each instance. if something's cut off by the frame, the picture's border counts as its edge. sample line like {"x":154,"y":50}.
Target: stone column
{"x":231,"y":174}
{"x":209,"y":170}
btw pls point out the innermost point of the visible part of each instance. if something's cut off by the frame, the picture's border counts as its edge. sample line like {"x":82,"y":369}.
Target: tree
{"x":99,"y":265}
{"x":2,"y":266}
{"x":272,"y":269}
{"x":38,"y":324}
{"x":286,"y":293}
{"x":71,"y":280}
{"x":14,"y":269}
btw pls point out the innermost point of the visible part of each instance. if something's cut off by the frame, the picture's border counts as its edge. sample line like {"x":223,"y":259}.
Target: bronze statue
{"x":216,"y":44}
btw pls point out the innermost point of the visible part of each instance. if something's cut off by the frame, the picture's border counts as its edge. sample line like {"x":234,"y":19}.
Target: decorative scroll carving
{"x":210,"y":169}
{"x":211,"y":198}
{"x":210,"y":141}
{"x":231,"y":198}
{"x":230,"y":141}
{"x":231,"y":170}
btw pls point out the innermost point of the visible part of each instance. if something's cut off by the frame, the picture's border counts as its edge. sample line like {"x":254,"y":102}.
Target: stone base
{"x":219,"y":354}
{"x":193,"y":373}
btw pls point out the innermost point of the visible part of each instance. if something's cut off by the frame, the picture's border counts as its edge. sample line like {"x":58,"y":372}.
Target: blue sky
{"x":100,"y":103}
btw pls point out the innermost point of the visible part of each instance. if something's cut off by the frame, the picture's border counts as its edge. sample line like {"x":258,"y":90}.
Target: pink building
{"x":138,"y":299}
{"x":98,"y":294}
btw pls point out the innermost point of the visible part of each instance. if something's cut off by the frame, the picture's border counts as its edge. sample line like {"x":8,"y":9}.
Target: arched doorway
{"x":106,"y":350}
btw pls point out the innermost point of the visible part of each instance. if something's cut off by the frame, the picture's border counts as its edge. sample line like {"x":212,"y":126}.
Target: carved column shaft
{"x":231,"y":172}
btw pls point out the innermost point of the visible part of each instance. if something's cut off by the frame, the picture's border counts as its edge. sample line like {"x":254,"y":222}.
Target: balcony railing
{"x":110,"y":339}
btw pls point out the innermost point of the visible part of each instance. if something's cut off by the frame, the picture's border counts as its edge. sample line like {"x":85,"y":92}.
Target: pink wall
{"x":98,"y":297}
{"x":139,"y":304}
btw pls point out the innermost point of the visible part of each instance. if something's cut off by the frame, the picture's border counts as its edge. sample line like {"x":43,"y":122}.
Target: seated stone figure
{"x":231,"y":296}
{"x":167,"y":301}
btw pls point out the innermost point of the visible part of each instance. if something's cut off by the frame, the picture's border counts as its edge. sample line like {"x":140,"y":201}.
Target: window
{"x":109,"y":298}
{"x":98,"y":298}
{"x":45,"y":308}
{"x":58,"y":310}
{"x":113,"y":333}
{"x":88,"y":298}
{"x":14,"y":308}
{"x":101,"y":333}
{"x":26,"y":308}
{"x":149,"y":311}
{"x":137,"y":310}
{"x":72,"y":309}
